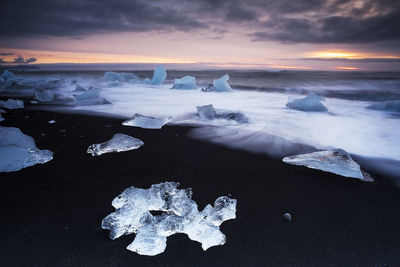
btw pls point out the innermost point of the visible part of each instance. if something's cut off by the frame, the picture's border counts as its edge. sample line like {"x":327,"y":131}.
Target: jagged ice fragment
{"x":118,"y":143}
{"x":146,"y":122}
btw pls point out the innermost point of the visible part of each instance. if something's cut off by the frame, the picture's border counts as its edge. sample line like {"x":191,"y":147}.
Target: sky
{"x":244,"y":34}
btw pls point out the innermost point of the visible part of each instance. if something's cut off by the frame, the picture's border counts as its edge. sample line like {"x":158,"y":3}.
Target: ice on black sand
{"x":118,"y":143}
{"x":146,"y":122}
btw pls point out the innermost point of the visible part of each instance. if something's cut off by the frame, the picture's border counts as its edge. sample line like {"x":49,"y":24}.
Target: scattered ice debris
{"x":52,"y":121}
{"x":287,"y":216}
{"x":221,"y":84}
{"x":33,"y":102}
{"x":118,"y":143}
{"x":119,"y":76}
{"x":12,"y":104}
{"x":187,"y":82}
{"x":387,"y":106}
{"x":44,"y":95}
{"x":91,"y":96}
{"x":311,"y":102}
{"x":335,"y":161}
{"x":79,"y":88}
{"x":208,"y":112}
{"x":159,"y":75}
{"x":146,"y":122}
{"x":18,"y":150}
{"x":180,"y":214}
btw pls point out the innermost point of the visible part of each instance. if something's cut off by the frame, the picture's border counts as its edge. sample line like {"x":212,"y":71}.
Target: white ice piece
{"x":12,"y":104}
{"x":44,"y":95}
{"x":8,"y":76}
{"x":118,"y":143}
{"x":393,"y":106}
{"x":146,"y":122}
{"x":311,"y":102}
{"x":18,"y":151}
{"x":186,"y":82}
{"x":119,"y":76}
{"x":335,"y":161}
{"x":91,"y":96}
{"x":221,"y":84}
{"x":52,"y":121}
{"x":159,"y":75}
{"x":206,"y":112}
{"x":79,"y":88}
{"x":180,"y":214}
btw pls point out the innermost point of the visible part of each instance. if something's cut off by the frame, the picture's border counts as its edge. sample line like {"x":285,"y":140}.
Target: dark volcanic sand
{"x":51,"y":213}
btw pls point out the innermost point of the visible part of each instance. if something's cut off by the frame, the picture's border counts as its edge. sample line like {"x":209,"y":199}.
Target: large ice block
{"x":159,"y":75}
{"x":186,"y":82}
{"x":221,"y":84}
{"x":180,"y":214}
{"x":118,"y":143}
{"x":146,"y":122}
{"x":311,"y":102}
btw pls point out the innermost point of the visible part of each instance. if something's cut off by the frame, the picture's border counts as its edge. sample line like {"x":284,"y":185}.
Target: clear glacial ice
{"x":146,"y":122}
{"x":207,"y":112}
{"x":12,"y":104}
{"x":159,"y":75}
{"x":7,"y":78}
{"x":120,"y":76}
{"x":311,"y":102}
{"x":392,"y":106}
{"x":18,"y":151}
{"x":118,"y":143}
{"x":44,"y":95}
{"x":336,"y":161}
{"x":90,"y":97}
{"x":180,"y":214}
{"x":186,"y":82}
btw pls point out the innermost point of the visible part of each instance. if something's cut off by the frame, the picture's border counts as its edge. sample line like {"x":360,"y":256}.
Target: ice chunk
{"x":12,"y":104}
{"x":44,"y":95}
{"x":146,"y":122}
{"x":33,"y":102}
{"x":91,"y":96}
{"x":79,"y":88}
{"x":146,"y":81}
{"x":180,"y":214}
{"x":118,"y":143}
{"x":52,"y":121}
{"x":335,"y":161}
{"x":387,"y":106}
{"x":18,"y":150}
{"x":187,"y":82}
{"x":287,"y":216}
{"x":311,"y":102}
{"x":221,"y":84}
{"x":159,"y":75}
{"x":8,"y":76}
{"x":206,"y":112}
{"x":119,"y":76}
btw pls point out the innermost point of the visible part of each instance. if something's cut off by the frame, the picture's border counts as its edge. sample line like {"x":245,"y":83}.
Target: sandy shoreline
{"x":51,"y":213}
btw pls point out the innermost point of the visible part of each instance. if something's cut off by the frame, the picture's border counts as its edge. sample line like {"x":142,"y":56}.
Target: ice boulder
{"x":311,"y":102}
{"x":393,"y":106}
{"x":159,"y":75}
{"x":146,"y":122}
{"x":208,"y":112}
{"x":119,"y":76}
{"x":179,"y":214}
{"x":12,"y":104}
{"x":118,"y":143}
{"x":91,"y":96}
{"x":187,"y":82}
{"x":44,"y":95}
{"x":8,"y":76}
{"x":79,"y":88}
{"x":221,"y":84}
{"x":18,"y":151}
{"x":335,"y":161}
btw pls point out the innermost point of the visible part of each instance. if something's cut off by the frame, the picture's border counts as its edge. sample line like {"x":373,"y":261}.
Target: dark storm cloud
{"x":301,"y":21}
{"x":6,"y":54}
{"x":22,"y":60}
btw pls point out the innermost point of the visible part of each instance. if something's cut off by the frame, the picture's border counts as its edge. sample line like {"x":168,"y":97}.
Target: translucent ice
{"x":44,"y":95}
{"x":119,"y":76}
{"x":387,"y":106}
{"x":8,"y":76}
{"x":12,"y":104}
{"x":311,"y":102}
{"x":335,"y":161}
{"x":18,"y":150}
{"x":118,"y":143}
{"x":146,"y":122}
{"x":79,"y":88}
{"x":180,"y":214}
{"x":187,"y":82}
{"x":159,"y":75}
{"x":91,"y":96}
{"x":208,"y":112}
{"x":221,"y":84}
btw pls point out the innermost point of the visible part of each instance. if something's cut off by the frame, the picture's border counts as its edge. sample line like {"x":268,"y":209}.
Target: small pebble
{"x":286,"y":216}
{"x":27,"y":117}
{"x":43,"y":134}
{"x":34,"y":102}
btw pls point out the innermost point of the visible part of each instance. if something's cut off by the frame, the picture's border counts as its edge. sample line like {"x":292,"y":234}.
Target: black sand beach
{"x":51,"y":213}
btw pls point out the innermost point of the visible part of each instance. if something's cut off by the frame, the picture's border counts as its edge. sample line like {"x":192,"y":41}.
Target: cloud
{"x":6,"y":54}
{"x":358,"y":60}
{"x":21,"y":60}
{"x":300,"y":21}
